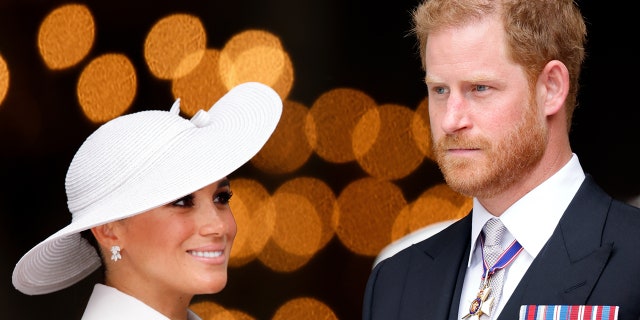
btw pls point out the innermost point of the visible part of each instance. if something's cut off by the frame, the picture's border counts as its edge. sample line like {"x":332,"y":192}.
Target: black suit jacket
{"x":592,"y":258}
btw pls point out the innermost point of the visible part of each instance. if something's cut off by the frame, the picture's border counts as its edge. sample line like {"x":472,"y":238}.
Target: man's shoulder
{"x":430,"y":240}
{"x":623,"y":216}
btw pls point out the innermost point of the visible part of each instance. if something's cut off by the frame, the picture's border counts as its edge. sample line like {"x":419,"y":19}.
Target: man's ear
{"x":554,"y":79}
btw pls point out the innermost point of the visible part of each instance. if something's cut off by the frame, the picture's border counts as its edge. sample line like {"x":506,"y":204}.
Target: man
{"x":502,"y":79}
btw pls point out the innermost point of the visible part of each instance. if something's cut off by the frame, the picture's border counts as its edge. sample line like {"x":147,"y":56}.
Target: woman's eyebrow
{"x":224,"y":183}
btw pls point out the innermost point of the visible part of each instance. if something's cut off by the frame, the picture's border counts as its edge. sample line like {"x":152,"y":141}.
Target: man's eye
{"x":223,"y":197}
{"x":481,"y":88}
{"x":440,"y":90}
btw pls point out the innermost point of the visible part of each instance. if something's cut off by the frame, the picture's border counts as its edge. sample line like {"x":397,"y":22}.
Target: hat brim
{"x":192,"y":155}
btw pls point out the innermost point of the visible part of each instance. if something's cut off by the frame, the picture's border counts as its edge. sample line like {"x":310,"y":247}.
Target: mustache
{"x":456,"y":141}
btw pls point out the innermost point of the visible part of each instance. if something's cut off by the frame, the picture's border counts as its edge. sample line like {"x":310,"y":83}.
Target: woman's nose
{"x":214,"y":220}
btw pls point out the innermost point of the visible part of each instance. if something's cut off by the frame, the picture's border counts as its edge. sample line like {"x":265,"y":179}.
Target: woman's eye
{"x":223,"y":197}
{"x":186,"y":201}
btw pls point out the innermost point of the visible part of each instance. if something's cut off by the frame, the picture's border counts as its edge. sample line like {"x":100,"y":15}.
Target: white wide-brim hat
{"x":141,"y":161}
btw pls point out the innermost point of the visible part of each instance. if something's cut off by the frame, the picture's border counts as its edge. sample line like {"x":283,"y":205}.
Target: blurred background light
{"x":107,"y":87}
{"x":4,"y":79}
{"x":174,"y":46}
{"x":347,"y":172}
{"x":66,"y":36}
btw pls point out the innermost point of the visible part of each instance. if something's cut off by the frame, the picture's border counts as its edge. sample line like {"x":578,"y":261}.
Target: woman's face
{"x":181,"y":248}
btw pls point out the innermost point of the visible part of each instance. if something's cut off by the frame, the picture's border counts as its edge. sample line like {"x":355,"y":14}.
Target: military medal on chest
{"x":482,"y":304}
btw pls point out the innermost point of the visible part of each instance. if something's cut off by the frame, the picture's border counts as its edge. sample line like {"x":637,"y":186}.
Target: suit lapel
{"x":569,"y":265}
{"x":447,"y":265}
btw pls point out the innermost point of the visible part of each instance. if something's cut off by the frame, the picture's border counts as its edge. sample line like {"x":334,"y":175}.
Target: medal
{"x":481,"y":305}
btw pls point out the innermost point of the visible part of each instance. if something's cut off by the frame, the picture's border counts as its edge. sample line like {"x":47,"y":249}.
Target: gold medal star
{"x":480,"y":305}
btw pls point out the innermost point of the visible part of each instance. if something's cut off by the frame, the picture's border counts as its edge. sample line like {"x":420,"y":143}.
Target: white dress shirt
{"x":108,"y":303}
{"x":531,"y":220}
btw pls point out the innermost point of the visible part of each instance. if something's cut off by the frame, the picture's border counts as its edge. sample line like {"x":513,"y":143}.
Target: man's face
{"x":487,"y":129}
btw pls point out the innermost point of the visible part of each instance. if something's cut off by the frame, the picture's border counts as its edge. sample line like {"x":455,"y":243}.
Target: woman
{"x":150,"y":191}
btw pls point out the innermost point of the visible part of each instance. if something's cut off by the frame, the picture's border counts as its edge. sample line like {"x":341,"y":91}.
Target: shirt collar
{"x":110,"y":303}
{"x":532,"y":219}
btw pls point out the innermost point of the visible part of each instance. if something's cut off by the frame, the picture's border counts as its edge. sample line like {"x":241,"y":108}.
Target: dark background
{"x":356,"y":44}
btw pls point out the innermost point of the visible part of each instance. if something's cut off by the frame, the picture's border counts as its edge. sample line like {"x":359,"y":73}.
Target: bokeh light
{"x":256,"y":55}
{"x":107,"y":87}
{"x":298,"y":225}
{"x":421,"y":128}
{"x":66,"y":36}
{"x":4,"y":79}
{"x":202,"y":87}
{"x":304,"y":308}
{"x":368,"y":208}
{"x":384,"y":145}
{"x":175,"y":45}
{"x":208,"y":310}
{"x":288,"y":148}
{"x":436,"y":204}
{"x":322,"y":199}
{"x":307,"y":214}
{"x":297,"y":234}
{"x":334,"y":116}
{"x":255,"y":216}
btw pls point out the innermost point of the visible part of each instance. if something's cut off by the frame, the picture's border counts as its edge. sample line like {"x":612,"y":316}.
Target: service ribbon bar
{"x":565,"y":312}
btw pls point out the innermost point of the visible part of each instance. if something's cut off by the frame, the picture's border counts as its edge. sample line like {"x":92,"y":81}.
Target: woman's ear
{"x":107,"y":237}
{"x":105,"y":234}
{"x":555,"y":81}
